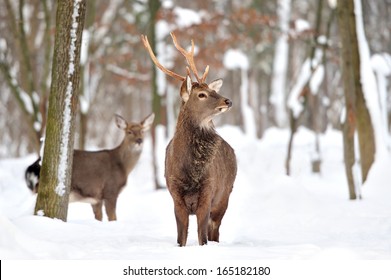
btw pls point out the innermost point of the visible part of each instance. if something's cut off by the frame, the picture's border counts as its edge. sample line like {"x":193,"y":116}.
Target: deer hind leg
{"x":182,"y":222}
{"x":97,"y":208}
{"x":110,"y":205}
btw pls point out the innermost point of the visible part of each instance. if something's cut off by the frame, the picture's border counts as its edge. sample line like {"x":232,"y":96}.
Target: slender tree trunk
{"x":314,"y":97}
{"x":357,"y":114}
{"x":280,"y":64}
{"x":25,"y":85}
{"x":154,"y":7}
{"x":84,"y":73}
{"x":54,"y":185}
{"x":366,"y":138}
{"x":310,"y":103}
{"x":345,"y":18}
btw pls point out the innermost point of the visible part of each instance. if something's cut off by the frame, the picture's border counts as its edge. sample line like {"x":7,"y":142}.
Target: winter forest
{"x":309,"y":123}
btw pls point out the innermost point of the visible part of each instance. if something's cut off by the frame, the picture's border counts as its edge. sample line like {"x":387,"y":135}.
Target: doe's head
{"x":134,"y":132}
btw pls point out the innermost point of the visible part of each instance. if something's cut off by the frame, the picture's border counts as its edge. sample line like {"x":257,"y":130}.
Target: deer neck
{"x":197,"y":146}
{"x":128,"y":154}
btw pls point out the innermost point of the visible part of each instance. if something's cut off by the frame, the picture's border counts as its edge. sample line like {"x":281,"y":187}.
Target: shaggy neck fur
{"x":201,"y":144}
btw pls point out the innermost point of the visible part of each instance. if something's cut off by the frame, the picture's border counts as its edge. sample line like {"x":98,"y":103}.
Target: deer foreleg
{"x":182,"y":222}
{"x":202,"y":214}
{"x":110,"y":205}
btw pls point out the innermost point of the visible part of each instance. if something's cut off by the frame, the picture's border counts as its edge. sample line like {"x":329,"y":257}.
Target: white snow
{"x":26,"y":100}
{"x":270,"y":216}
{"x":317,"y":79}
{"x":235,"y":59}
{"x":302,"y":25}
{"x":186,"y":17}
{"x":332,"y":3}
{"x":368,"y":82}
{"x":381,"y":65}
{"x":295,"y":102}
{"x":3,"y":46}
{"x":85,"y":42}
{"x":280,"y":64}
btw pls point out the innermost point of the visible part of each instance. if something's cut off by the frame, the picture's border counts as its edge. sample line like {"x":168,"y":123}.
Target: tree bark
{"x":357,"y":114}
{"x":55,"y":179}
{"x":366,"y":137}
{"x":154,"y":7}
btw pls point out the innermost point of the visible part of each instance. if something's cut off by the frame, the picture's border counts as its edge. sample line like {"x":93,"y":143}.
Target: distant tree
{"x":308,"y":96}
{"x":280,"y":64}
{"x":53,"y":194}
{"x":357,"y":116}
{"x":32,"y":57}
{"x":153,"y":7}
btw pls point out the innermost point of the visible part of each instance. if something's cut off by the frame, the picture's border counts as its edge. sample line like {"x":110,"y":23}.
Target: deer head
{"x":202,"y":101}
{"x":200,"y":98}
{"x":134,"y":132}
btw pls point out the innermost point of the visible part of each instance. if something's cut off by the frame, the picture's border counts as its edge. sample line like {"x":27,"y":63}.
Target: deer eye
{"x":202,"y":95}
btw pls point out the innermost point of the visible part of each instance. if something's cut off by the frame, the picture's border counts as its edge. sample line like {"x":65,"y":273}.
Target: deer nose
{"x":228,"y":102}
{"x":139,"y":141}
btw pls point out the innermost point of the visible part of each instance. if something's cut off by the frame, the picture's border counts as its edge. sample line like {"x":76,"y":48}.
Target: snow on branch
{"x":126,"y":74}
{"x":311,"y":73}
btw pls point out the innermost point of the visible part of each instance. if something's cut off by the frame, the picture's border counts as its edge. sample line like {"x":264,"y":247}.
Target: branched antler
{"x":170,"y":73}
{"x":189,"y":59}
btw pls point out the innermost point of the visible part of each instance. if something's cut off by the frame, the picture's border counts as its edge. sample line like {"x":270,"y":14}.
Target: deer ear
{"x":186,"y":89}
{"x":120,"y":122}
{"x":147,"y":122}
{"x":216,"y":85}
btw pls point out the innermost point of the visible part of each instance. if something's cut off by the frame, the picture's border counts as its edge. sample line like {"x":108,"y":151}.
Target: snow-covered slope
{"x":270,"y":216}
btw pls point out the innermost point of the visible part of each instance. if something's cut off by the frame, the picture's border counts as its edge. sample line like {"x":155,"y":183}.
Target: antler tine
{"x":190,"y":58}
{"x":144,"y":38}
{"x":203,"y":78}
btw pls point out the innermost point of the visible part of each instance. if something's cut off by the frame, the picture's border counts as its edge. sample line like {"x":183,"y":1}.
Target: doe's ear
{"x":216,"y":85}
{"x":186,"y":89}
{"x":148,"y":121}
{"x":120,"y":122}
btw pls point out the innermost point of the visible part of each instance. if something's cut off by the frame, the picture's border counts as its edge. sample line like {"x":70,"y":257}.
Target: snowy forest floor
{"x":270,"y":216}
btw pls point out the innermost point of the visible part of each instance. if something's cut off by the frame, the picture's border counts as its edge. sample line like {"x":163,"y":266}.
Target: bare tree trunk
{"x":310,"y":103}
{"x":280,"y":64}
{"x":366,"y":138}
{"x":314,"y":97}
{"x":154,"y":7}
{"x":25,"y":85}
{"x":55,"y":179}
{"x":357,"y":115}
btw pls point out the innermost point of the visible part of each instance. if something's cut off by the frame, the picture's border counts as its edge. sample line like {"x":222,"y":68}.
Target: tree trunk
{"x":357,"y":115}
{"x":310,"y":103}
{"x":366,"y":138}
{"x":280,"y":64}
{"x":55,"y":179}
{"x":154,"y":7}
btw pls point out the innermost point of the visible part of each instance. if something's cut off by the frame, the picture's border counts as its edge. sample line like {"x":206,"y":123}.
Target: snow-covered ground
{"x":270,"y":216}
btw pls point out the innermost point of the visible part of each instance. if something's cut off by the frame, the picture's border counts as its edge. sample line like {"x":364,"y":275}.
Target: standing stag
{"x":200,"y":167}
{"x":99,"y":177}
